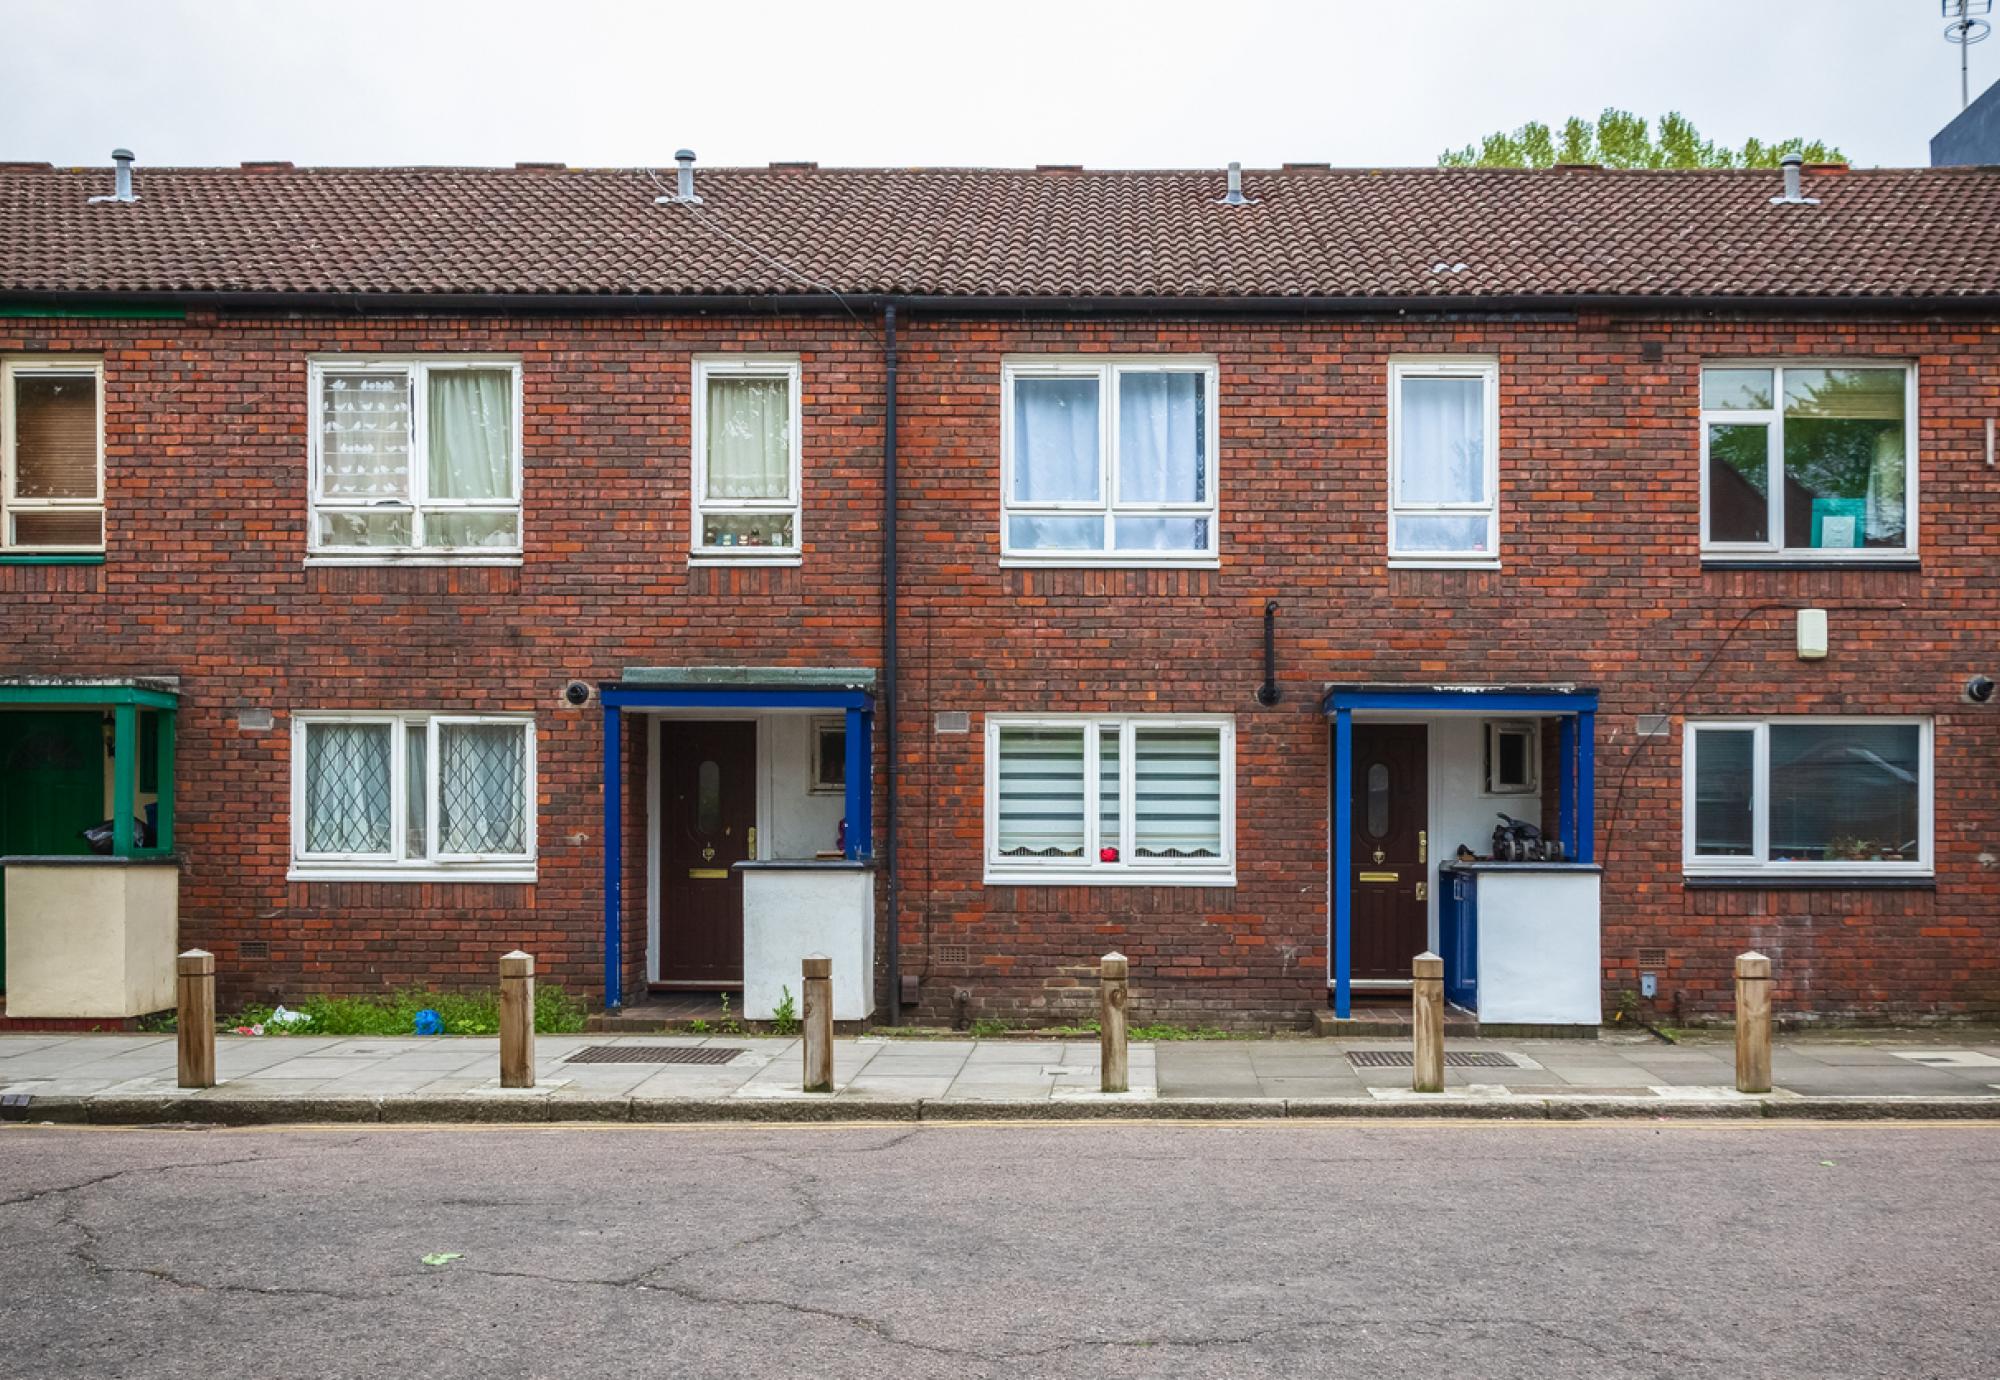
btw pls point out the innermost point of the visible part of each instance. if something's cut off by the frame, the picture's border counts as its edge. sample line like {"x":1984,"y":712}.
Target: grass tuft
{"x":463,"y":1013}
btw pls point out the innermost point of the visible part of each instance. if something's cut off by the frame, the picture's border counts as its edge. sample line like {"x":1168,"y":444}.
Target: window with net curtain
{"x":415,"y":790}
{"x":1109,"y":462}
{"x":53,"y":501}
{"x":1806,"y":459}
{"x":1442,"y":501}
{"x":746,"y":499}
{"x":1162,"y":797}
{"x":417,"y":457}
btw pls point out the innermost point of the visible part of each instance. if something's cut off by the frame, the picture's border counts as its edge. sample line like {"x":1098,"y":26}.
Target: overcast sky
{"x":1008,"y":82}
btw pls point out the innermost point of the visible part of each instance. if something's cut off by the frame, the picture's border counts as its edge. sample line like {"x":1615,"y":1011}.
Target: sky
{"x":1005,"y":83}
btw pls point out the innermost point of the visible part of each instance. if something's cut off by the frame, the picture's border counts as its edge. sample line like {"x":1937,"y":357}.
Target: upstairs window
{"x":1808,"y":796}
{"x":52,"y":455}
{"x":1144,"y":800}
{"x":386,"y":795}
{"x":415,"y":458}
{"x":1808,"y":462}
{"x":1110,"y":462}
{"x":1444,"y":469}
{"x":747,"y":468}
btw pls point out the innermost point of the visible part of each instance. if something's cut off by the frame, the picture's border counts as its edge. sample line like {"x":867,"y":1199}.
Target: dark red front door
{"x":708,"y":821}
{"x":1390,"y":861}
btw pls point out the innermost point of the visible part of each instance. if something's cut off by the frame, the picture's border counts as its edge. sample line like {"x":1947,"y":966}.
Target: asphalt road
{"x":1379,"y":1250}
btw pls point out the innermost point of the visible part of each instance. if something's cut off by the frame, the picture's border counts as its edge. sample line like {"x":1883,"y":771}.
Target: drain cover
{"x":653,"y":1054}
{"x":1453,"y":1059}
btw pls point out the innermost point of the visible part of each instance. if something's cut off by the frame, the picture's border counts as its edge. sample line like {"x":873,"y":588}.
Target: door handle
{"x":709,"y":874}
{"x":1423,"y":845}
{"x":752,"y":842}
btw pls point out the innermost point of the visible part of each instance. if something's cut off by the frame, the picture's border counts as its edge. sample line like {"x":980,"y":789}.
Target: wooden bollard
{"x":1753,"y":1023}
{"x":1112,"y":971}
{"x":194,"y":1017}
{"x":1427,"y":1020}
{"x":517,"y":1020}
{"x":816,"y":980}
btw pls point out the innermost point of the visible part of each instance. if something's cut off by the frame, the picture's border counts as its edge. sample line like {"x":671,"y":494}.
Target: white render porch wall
{"x":792,"y":910}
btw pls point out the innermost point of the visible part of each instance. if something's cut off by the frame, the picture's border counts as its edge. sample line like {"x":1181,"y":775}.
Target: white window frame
{"x":1107,"y":370}
{"x":396,"y":865}
{"x":1773,"y":421}
{"x":1088,"y":870}
{"x":1758,"y":863}
{"x":62,"y":366}
{"x":821,"y":727}
{"x":417,"y":368}
{"x":785,"y":367}
{"x":1487,"y":371}
{"x":1532,"y":730}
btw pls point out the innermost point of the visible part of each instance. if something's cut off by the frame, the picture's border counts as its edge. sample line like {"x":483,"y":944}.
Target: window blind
{"x":55,"y":436}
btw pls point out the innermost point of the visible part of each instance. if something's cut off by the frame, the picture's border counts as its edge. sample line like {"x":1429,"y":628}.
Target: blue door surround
{"x":1576,"y":710}
{"x":730,"y":688}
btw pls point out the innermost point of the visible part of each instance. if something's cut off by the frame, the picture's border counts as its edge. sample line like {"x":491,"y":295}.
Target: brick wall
{"x":1602,"y":584}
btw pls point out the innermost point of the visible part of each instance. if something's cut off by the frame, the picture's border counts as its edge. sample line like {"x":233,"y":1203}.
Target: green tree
{"x":1620,"y":139}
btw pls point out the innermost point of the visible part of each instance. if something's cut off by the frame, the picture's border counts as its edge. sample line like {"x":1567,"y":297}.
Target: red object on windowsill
{"x":1107,"y":855}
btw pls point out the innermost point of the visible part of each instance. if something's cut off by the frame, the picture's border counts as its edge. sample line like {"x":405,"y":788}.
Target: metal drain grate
{"x":653,"y":1054}
{"x":1453,"y":1059}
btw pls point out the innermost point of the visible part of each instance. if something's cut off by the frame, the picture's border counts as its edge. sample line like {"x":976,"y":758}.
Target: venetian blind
{"x":55,"y":436}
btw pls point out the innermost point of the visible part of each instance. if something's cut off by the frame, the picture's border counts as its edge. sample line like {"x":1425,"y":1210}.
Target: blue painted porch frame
{"x":857,"y":705}
{"x":1576,"y":781}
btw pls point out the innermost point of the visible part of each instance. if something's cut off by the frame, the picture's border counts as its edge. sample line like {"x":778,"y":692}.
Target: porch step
{"x":1390,"y":1019}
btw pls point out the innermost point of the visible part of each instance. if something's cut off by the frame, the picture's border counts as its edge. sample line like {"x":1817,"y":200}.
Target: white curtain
{"x":347,"y":788}
{"x":1885,"y":513}
{"x":365,"y":437}
{"x":749,"y":438}
{"x":471,"y":434}
{"x":1162,"y":434}
{"x":482,"y":804}
{"x":1055,"y":440}
{"x":1443,"y":441}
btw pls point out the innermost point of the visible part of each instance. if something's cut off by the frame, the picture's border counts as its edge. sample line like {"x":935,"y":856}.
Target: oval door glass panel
{"x":708,"y":799}
{"x":1378,"y":800}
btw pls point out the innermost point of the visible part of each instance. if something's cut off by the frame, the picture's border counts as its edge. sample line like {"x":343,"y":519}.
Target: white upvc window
{"x":415,"y":459}
{"x":1108,"y":461}
{"x":51,"y":455}
{"x":1809,"y":461}
{"x":413,"y":796}
{"x":1444,"y":462}
{"x":747,"y":471}
{"x":1111,"y":800}
{"x":1807,"y":796}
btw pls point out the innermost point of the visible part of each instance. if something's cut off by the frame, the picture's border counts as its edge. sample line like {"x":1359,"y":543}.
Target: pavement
{"x":132,"y":1079}
{"x":968,"y":1251}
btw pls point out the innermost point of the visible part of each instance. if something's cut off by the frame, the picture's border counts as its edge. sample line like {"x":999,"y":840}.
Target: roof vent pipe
{"x":121,"y":160}
{"x":1235,"y":196}
{"x":684,"y":192}
{"x":1794,"y":191}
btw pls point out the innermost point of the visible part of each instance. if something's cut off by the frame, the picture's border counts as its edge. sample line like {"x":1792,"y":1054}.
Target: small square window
{"x":829,"y":756}
{"x":1513,"y":757}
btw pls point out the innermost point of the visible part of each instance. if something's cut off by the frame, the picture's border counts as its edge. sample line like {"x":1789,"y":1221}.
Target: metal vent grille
{"x":1652,"y":958}
{"x":653,"y":1054}
{"x":953,"y":955}
{"x":253,"y":948}
{"x":1453,"y":1059}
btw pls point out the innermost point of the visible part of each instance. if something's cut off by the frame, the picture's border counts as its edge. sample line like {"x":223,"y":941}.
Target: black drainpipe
{"x":887,"y":709}
{"x":1267,"y":693}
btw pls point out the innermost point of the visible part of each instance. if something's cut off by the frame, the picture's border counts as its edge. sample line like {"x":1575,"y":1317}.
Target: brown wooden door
{"x":1389,"y":923}
{"x":708,"y":821}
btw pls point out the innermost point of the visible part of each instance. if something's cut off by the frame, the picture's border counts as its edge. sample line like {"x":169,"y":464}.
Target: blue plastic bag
{"x":428,"y":1022}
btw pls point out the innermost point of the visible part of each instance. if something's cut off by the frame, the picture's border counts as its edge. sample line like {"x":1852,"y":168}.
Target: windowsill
{"x":1412,"y":563}
{"x":1815,"y":881}
{"x":474,"y":872}
{"x":1894,"y":560}
{"x":1070,"y":560}
{"x":414,"y":558}
{"x":1108,"y":878}
{"x":713,"y":558}
{"x":51,"y":558}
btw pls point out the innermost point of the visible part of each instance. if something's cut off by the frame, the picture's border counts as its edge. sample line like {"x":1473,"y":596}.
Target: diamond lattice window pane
{"x":482,"y":797}
{"x":347,"y":788}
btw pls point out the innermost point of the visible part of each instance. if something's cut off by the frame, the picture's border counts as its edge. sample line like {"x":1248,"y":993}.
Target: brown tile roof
{"x":1003,"y":233}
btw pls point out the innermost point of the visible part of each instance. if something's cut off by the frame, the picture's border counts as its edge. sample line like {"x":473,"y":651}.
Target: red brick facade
{"x":1602,"y":585}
